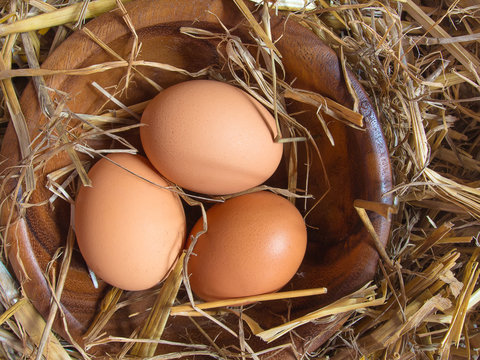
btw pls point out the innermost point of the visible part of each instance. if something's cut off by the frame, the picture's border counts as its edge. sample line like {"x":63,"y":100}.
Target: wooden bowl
{"x":340,"y":255}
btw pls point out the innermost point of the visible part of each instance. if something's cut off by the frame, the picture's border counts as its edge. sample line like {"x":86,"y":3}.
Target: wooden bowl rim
{"x":382,"y":226}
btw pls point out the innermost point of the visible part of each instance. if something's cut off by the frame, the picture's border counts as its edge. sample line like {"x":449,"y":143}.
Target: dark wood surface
{"x":340,"y":254}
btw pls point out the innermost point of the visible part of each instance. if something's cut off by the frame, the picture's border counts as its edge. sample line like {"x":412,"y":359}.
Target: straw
{"x":189,"y":310}
{"x":160,"y":313}
{"x":61,"y":16}
{"x":26,"y":315}
{"x":419,"y":63}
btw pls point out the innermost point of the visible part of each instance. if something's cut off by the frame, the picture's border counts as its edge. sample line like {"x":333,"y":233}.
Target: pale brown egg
{"x":254,"y":245}
{"x":210,"y":137}
{"x":129,"y":230}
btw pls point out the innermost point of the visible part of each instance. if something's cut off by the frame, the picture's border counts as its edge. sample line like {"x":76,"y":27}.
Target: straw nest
{"x":419,"y":62}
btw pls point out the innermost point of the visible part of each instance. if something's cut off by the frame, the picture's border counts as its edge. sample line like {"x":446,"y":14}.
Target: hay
{"x":418,"y":61}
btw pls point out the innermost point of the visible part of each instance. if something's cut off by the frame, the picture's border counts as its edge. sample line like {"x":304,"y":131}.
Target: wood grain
{"x":340,"y":255}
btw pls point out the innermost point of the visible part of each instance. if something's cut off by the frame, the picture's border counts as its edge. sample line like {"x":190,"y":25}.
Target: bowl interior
{"x":340,"y":255}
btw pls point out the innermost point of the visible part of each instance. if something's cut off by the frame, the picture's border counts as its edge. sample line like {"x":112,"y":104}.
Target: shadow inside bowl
{"x":340,"y":254}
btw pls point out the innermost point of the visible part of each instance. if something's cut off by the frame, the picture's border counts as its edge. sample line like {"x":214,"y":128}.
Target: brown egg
{"x":254,"y":245}
{"x":210,"y":137}
{"x":129,"y":231}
